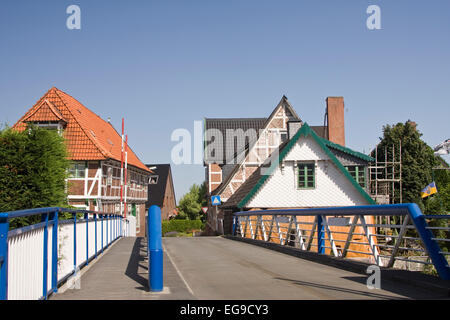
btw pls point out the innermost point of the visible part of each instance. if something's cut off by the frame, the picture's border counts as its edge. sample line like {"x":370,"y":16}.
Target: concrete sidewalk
{"x":122,"y":274}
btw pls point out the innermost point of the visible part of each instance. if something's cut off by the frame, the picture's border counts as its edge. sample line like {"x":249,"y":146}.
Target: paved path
{"x":218,"y":268}
{"x":122,"y":274}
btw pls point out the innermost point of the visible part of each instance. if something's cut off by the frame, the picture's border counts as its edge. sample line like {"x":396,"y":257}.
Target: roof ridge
{"x":347,"y":150}
{"x":76,"y":120}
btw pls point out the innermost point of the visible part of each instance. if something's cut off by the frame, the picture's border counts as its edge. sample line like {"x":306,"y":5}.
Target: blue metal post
{"x":45,"y":258}
{"x":433,"y":249}
{"x":74,"y":242}
{"x":54,"y":217}
{"x":86,"y":218}
{"x":102,"y":219}
{"x":95,"y":222}
{"x":155,"y":249}
{"x":320,"y":235}
{"x":107,"y":233}
{"x":4,"y":228}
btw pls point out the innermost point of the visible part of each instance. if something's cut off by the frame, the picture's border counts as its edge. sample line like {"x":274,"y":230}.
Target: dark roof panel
{"x":157,"y":191}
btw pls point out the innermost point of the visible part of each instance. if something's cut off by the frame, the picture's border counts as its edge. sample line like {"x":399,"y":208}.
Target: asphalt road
{"x":218,"y":268}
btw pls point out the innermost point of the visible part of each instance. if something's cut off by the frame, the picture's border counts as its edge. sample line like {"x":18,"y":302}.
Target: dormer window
{"x":50,"y":126}
{"x":153,"y":180}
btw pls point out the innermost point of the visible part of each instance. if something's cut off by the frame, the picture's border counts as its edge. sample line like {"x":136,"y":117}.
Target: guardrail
{"x":35,"y":260}
{"x":356,"y":232}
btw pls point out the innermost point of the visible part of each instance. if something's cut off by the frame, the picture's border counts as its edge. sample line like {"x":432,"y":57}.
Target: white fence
{"x":38,"y":262}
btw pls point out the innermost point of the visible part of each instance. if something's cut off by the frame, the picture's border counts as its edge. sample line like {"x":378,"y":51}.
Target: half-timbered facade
{"x":95,"y":148}
{"x":306,"y":178}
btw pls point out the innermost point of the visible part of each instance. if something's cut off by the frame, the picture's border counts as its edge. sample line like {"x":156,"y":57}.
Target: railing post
{"x":106,"y":231}
{"x":44,"y":218}
{"x":86,"y":218}
{"x":102,"y":219}
{"x":432,"y":247}
{"x":4,"y":228}
{"x":320,"y":235}
{"x":95,"y":223}
{"x":234,"y":226}
{"x":155,"y":249}
{"x":54,"y":217}
{"x":74,"y":242}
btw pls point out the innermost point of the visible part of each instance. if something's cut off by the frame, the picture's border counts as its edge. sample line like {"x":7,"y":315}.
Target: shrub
{"x":181,"y":226}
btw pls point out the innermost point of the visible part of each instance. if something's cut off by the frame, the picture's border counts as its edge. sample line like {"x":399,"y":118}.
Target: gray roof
{"x":230,"y":129}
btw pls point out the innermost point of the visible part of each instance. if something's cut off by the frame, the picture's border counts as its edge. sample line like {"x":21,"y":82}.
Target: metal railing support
{"x":75,"y":243}
{"x":95,"y":223}
{"x":155,"y":249}
{"x":44,"y":218}
{"x":320,"y":235}
{"x":54,"y":218}
{"x":4,"y":227}
{"x":439,"y":260}
{"x":86,"y":218}
{"x":398,"y":242}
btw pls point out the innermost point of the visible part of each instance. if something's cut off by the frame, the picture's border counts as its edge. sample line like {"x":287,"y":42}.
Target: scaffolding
{"x":385,"y":177}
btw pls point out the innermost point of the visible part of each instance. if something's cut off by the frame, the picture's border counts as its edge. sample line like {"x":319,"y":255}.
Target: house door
{"x":133,"y":209}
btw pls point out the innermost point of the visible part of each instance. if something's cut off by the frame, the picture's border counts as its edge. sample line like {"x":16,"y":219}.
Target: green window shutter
{"x":306,"y":176}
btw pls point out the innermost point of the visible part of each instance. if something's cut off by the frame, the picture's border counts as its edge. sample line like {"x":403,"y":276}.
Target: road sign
{"x":215,"y":200}
{"x":204,"y":209}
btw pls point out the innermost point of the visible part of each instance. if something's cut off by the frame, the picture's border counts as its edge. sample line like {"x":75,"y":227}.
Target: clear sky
{"x":164,"y":64}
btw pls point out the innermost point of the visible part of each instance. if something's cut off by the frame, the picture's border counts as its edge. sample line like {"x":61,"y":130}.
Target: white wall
{"x":332,"y":188}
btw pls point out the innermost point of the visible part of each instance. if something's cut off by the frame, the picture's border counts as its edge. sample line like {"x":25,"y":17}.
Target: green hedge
{"x":181,"y":225}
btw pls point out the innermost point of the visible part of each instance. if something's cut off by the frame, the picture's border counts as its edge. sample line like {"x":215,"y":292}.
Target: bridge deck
{"x":218,"y":268}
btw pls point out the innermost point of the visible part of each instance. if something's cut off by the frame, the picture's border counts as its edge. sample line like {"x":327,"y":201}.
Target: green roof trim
{"x":347,"y":150}
{"x":305,"y":131}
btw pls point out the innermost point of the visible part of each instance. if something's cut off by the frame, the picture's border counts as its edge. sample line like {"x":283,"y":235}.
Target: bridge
{"x":272,"y":254}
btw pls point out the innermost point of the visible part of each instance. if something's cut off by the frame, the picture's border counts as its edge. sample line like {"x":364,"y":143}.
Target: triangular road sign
{"x":204,"y":209}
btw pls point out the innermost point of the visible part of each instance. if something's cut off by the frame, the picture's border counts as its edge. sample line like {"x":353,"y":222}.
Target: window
{"x":306,"y":176}
{"x":153,"y":180}
{"x":109,"y":176}
{"x":284,"y":137}
{"x":78,"y":170}
{"x":358,"y":173}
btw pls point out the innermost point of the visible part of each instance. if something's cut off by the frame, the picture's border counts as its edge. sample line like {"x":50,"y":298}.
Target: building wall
{"x":99,"y":190}
{"x":169,"y":203}
{"x":332,"y":188}
{"x":268,"y":141}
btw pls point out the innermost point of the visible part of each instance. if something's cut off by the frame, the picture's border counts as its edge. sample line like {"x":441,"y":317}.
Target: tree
{"x":33,"y":169}
{"x":418,"y":159}
{"x":190,"y":206}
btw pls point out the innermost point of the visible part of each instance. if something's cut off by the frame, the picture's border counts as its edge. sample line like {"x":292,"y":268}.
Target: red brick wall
{"x":336,"y":126}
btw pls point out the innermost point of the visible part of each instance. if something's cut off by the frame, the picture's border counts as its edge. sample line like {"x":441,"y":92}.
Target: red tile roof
{"x":88,"y":136}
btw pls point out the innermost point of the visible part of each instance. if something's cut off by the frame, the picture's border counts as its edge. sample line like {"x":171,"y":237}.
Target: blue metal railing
{"x":242,"y":222}
{"x":49,"y":218}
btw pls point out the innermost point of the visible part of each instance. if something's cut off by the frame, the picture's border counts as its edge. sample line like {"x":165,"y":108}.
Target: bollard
{"x":155,"y":261}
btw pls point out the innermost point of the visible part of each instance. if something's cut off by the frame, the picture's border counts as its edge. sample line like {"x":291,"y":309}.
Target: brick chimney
{"x":336,"y":126}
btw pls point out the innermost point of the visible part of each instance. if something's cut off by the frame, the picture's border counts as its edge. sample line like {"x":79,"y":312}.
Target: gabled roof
{"x":283,"y":102}
{"x":46,"y":111}
{"x":156,"y":192}
{"x":251,"y":186}
{"x":88,"y":136}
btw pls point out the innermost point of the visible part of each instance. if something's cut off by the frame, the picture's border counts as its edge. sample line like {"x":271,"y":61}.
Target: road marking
{"x":178,"y":271}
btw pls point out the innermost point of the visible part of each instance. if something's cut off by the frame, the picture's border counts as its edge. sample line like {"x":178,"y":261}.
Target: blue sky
{"x":164,"y":64}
